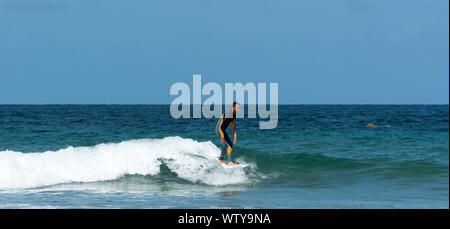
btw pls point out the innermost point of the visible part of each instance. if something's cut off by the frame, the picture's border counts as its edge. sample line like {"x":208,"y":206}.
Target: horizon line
{"x":281,"y":104}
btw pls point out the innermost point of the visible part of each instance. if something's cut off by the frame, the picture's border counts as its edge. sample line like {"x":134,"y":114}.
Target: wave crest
{"x":190,"y":160}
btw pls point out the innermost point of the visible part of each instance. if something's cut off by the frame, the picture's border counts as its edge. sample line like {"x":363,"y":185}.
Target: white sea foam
{"x":189,"y":159}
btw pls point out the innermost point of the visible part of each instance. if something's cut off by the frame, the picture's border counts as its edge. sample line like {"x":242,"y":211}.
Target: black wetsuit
{"x":221,"y":127}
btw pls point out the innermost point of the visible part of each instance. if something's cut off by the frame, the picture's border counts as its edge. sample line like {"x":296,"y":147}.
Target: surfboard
{"x":234,"y":166}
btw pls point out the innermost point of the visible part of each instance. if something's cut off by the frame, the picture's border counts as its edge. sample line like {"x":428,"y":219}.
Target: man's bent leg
{"x":224,"y":151}
{"x":229,"y":154}
{"x":227,"y":148}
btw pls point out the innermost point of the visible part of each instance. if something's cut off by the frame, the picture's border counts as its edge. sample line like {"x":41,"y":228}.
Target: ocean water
{"x":138,"y":156}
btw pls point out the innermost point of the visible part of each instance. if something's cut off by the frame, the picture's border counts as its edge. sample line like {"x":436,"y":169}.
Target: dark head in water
{"x":371,"y":125}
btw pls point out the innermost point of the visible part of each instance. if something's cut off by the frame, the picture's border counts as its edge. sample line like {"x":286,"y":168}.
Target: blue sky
{"x":320,"y":52}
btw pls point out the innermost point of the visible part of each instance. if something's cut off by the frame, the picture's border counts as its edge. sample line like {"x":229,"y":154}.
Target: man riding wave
{"x":227,"y":146}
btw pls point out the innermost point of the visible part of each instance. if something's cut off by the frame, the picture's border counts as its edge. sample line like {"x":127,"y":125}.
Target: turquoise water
{"x":138,"y":156}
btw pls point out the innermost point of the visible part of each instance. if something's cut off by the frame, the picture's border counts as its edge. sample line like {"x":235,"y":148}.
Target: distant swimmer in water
{"x":227,"y":146}
{"x":373,"y":125}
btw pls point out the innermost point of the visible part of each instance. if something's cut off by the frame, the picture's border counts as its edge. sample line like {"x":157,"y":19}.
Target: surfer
{"x":227,"y":146}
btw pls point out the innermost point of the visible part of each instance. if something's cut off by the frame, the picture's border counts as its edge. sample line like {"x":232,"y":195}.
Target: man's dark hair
{"x":234,"y":104}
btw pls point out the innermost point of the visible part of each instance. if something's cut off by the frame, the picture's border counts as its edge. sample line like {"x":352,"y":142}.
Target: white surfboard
{"x":234,"y":166}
